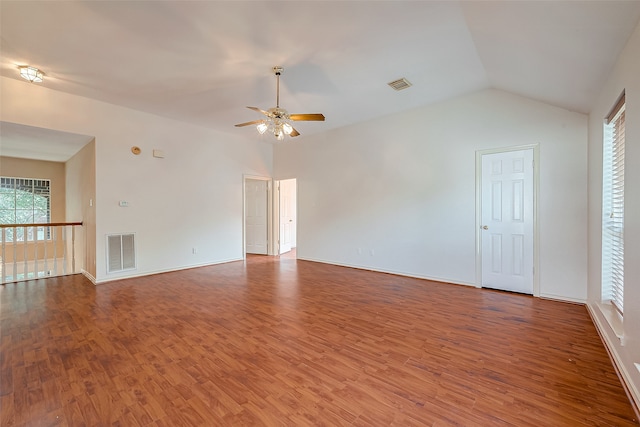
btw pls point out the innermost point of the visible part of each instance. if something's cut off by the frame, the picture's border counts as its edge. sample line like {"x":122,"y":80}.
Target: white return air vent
{"x":121,"y":252}
{"x":400,"y":84}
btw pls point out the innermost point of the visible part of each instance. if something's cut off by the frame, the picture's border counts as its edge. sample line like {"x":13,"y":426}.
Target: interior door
{"x":256,"y":227}
{"x":287,"y":214}
{"x":507,"y":221}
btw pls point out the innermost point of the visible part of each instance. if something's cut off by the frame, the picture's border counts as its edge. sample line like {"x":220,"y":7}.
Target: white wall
{"x":191,"y":198}
{"x":397,"y":194}
{"x":625,"y":76}
{"x":80,"y":174}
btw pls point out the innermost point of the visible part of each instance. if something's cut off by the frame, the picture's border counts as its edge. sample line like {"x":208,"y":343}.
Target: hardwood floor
{"x":282,"y":342}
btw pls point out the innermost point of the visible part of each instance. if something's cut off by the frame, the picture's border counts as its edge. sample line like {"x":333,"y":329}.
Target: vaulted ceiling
{"x":204,"y":62}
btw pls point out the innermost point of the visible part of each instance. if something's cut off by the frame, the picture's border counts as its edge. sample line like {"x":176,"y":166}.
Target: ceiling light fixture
{"x":278,"y":121}
{"x":276,"y":124}
{"x":32,"y":74}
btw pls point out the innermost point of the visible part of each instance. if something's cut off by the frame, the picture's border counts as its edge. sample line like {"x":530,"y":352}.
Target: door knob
{"x":485,"y":227}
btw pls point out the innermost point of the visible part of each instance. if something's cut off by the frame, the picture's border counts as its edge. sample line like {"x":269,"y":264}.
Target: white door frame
{"x":276,"y":211}
{"x":536,"y":188}
{"x":270,"y":240}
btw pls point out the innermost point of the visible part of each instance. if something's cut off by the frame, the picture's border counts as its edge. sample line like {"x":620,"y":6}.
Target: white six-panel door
{"x":507,"y":221}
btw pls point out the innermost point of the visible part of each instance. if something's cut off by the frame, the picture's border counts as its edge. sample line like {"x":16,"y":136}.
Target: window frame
{"x":19,"y":184}
{"x":613,"y":206}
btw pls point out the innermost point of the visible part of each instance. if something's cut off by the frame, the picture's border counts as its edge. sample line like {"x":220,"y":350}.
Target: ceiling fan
{"x":278,"y":120}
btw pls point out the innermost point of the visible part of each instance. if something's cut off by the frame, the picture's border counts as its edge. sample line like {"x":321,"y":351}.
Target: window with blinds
{"x":613,"y":207}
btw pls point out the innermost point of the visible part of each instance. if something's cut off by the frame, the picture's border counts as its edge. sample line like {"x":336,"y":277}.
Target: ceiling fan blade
{"x":294,"y":132}
{"x":258,"y":110}
{"x":255,"y":122}
{"x":307,"y":117}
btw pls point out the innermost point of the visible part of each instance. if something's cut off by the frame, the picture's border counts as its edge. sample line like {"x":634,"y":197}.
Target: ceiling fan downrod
{"x":278,"y":70}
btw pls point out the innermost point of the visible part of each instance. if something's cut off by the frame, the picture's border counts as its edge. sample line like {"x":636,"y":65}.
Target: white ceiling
{"x":40,"y":144}
{"x":203,"y":62}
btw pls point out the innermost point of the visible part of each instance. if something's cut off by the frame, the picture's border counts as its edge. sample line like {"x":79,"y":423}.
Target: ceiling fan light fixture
{"x":262,"y":128}
{"x":278,"y":120}
{"x":278,"y":133}
{"x":32,"y":74}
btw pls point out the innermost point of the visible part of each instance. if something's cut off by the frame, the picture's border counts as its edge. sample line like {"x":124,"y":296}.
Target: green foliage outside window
{"x":24,"y":201}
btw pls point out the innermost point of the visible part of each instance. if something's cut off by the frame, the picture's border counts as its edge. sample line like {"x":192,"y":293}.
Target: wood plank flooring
{"x":294,"y":343}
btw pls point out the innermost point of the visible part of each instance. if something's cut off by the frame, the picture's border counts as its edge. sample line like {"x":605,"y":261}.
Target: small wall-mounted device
{"x":158,"y":153}
{"x":123,"y":204}
{"x":136,"y":150}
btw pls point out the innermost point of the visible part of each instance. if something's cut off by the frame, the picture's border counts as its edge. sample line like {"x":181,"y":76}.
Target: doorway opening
{"x":270,"y":216}
{"x":286,"y":194}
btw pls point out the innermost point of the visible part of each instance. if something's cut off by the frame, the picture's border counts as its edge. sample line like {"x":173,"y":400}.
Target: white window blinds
{"x":613,"y":207}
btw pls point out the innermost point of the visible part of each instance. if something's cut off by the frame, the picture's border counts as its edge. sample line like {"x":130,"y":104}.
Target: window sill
{"x":614,"y":319}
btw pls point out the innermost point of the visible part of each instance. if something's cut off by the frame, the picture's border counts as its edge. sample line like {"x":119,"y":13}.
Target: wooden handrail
{"x":40,"y":224}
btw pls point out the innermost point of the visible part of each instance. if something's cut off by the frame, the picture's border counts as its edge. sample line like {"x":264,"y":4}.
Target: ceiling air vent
{"x":400,"y":84}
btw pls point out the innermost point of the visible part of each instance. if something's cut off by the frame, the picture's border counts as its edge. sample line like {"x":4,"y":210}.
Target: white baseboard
{"x":562,"y":298}
{"x":396,"y":273}
{"x":628,"y":385}
{"x":88,"y":275}
{"x":169,"y":270}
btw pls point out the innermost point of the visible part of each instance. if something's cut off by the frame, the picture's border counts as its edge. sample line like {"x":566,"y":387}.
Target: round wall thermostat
{"x":135,"y":150}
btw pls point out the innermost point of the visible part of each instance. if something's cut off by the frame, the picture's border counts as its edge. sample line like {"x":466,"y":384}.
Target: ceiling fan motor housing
{"x":278,"y":113}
